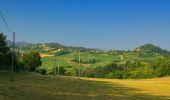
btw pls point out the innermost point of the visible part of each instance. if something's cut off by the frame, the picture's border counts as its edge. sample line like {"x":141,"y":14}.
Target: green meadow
{"x":66,"y":60}
{"x":33,"y":86}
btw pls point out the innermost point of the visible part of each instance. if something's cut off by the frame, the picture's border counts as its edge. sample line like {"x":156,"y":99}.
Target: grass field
{"x":33,"y":86}
{"x":66,"y":60}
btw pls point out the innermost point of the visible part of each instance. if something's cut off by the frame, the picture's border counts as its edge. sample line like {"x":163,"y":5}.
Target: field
{"x":66,"y":60}
{"x":48,"y":62}
{"x":33,"y":86}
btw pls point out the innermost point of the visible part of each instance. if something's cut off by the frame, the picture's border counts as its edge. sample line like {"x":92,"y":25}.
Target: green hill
{"x":51,"y":48}
{"x":150,"y":48}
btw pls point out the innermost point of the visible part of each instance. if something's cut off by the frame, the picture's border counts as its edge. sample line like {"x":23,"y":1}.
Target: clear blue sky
{"x":105,"y":24}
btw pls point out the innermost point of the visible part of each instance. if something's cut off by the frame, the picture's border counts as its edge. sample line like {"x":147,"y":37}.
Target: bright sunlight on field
{"x":33,"y":86}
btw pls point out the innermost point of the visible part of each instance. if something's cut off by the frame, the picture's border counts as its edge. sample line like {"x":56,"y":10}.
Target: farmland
{"x":84,"y":50}
{"x":66,"y":60}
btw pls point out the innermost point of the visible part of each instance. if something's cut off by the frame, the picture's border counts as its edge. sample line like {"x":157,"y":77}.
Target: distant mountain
{"x":18,"y":44}
{"x":52,"y":48}
{"x":45,"y":46}
{"x":150,"y":48}
{"x":9,"y":43}
{"x":23,"y":44}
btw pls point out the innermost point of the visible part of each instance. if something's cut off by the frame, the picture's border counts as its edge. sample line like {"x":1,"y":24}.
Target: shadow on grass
{"x":37,"y":87}
{"x":100,"y":90}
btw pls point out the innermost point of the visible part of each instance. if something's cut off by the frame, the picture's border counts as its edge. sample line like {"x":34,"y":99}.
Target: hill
{"x":51,"y":48}
{"x":18,"y":44}
{"x":32,"y":86}
{"x":150,"y":48}
{"x":135,"y":63}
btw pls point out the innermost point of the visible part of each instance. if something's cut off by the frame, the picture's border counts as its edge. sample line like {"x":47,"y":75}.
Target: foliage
{"x":5,"y":54}
{"x":134,"y":70}
{"x":59,"y":70}
{"x":72,"y":72}
{"x":101,"y":71}
{"x":3,"y":44}
{"x":127,"y":64}
{"x":62,"y":52}
{"x":31,"y":60}
{"x":88,"y":61}
{"x":43,"y":71}
{"x":150,"y":48}
{"x":6,"y":60}
{"x":54,"y":45}
{"x":161,"y":66}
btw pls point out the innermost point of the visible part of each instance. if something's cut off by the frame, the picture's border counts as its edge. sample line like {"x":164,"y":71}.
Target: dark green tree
{"x":32,"y":60}
{"x":3,"y":44}
{"x":5,"y":54}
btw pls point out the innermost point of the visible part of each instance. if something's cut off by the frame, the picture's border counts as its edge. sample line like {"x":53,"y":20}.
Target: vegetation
{"x":31,"y":60}
{"x":5,"y":54}
{"x":38,"y":87}
{"x":42,"y":71}
{"x":150,"y":48}
{"x":89,"y":61}
{"x":147,"y":61}
{"x":3,"y":44}
{"x":62,"y":52}
{"x":113,"y":64}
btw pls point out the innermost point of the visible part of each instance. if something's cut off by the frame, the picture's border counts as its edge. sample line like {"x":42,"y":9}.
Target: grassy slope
{"x":105,"y":59}
{"x":32,"y":86}
{"x":66,"y":60}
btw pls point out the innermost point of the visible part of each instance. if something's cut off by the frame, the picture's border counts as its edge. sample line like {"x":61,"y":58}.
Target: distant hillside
{"x":18,"y":44}
{"x":9,"y":43}
{"x":150,"y":48}
{"x":52,"y":48}
{"x":22,"y":44}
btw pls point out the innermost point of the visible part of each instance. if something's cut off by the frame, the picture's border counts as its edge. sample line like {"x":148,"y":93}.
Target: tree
{"x":5,"y":54}
{"x":32,"y":60}
{"x":3,"y":44}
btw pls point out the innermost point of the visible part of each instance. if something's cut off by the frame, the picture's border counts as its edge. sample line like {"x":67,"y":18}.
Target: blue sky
{"x":105,"y":24}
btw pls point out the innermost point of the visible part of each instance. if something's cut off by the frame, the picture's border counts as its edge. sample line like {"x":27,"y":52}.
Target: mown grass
{"x":33,"y":86}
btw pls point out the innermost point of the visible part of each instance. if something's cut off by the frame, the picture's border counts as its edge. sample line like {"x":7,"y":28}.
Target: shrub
{"x":60,"y":53}
{"x":42,"y":71}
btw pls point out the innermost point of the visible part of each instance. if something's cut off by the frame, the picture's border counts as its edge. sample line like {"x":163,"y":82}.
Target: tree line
{"x":28,"y":61}
{"x":135,"y":69}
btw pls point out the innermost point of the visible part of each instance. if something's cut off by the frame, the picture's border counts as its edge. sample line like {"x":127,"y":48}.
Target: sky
{"x":104,"y":24}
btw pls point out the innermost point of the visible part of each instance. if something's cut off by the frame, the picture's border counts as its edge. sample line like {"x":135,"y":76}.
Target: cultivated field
{"x":33,"y":86}
{"x":66,"y":60}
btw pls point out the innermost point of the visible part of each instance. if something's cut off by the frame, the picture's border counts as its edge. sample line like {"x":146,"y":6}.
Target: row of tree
{"x":134,"y":70}
{"x":129,"y":70}
{"x":28,"y":61}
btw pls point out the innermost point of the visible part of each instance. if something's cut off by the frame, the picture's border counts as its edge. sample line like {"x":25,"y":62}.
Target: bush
{"x":86,"y":61}
{"x":42,"y":71}
{"x":61,"y":70}
{"x":116,"y":74}
{"x":72,"y":72}
{"x":60,"y":53}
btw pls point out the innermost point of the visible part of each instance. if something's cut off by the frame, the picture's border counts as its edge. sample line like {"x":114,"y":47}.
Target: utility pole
{"x":13,"y":34}
{"x":13,"y":52}
{"x":18,"y":53}
{"x":79,"y":65}
{"x":54,"y":69}
{"x":58,"y":70}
